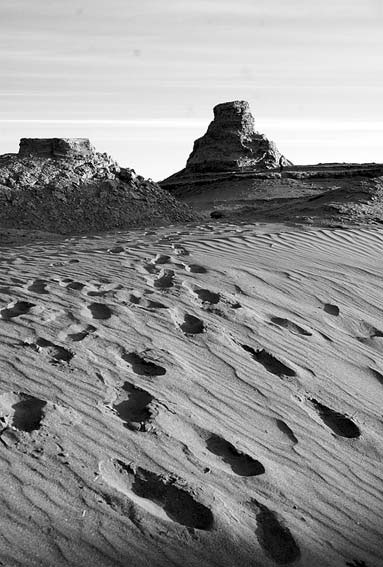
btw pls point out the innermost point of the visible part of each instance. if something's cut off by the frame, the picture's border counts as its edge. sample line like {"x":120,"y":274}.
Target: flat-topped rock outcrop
{"x":56,"y":147}
{"x":64,"y":185}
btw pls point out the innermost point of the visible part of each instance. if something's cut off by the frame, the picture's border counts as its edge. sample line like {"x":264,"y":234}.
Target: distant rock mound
{"x":64,"y":185}
{"x":232,"y":143}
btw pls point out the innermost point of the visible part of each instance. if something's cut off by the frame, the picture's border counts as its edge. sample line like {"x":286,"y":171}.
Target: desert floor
{"x":206,"y":395}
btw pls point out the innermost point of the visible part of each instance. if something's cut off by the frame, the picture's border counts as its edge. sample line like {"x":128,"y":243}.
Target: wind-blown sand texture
{"x":206,"y":396}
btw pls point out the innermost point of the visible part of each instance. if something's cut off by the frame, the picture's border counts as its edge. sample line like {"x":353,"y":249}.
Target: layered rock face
{"x":231,"y":143}
{"x":63,"y":185}
{"x":56,"y":147}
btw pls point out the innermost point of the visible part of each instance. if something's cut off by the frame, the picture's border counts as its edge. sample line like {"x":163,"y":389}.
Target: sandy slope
{"x":207,"y":396}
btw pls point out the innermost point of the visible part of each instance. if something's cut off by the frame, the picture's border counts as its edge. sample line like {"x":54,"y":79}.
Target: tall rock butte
{"x":231,"y":143}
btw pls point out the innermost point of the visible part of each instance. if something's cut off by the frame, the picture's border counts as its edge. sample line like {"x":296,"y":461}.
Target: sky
{"x":140,"y":77}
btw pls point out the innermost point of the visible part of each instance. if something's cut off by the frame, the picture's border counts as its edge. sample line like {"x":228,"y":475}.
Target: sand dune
{"x":207,"y":395}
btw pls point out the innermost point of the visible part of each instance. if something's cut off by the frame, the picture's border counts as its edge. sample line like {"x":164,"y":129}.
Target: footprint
{"x":154,"y":304}
{"x":207,"y":296}
{"x":161,"y":259}
{"x":272,"y":364}
{"x":57,"y":354}
{"x":337,"y":422}
{"x":135,"y":411}
{"x":282,"y":426}
{"x":100,"y":311}
{"x":116,"y":250}
{"x":164,"y":279}
{"x":377,"y":375}
{"x":38,"y":286}
{"x":195,"y":268}
{"x":81,"y":335}
{"x":158,"y":494}
{"x":275,"y":539}
{"x":150,"y":268}
{"x":371,"y":332}
{"x":22,"y":411}
{"x":15,"y":309}
{"x":136,"y":299}
{"x":192,"y":325}
{"x":77,"y":286}
{"x":143,"y":367}
{"x":180,"y":250}
{"x":290,"y":326}
{"x":331,"y":309}
{"x":240,"y":463}
{"x":97,"y":293}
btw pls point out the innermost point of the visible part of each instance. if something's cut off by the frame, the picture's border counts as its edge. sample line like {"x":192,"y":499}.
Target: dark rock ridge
{"x":231,"y":143}
{"x":64,"y":185}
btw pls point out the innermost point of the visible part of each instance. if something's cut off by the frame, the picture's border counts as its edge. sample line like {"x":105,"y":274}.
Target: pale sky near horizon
{"x":140,"y":77}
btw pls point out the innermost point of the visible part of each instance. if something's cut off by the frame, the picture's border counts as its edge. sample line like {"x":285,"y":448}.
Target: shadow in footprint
{"x":161,"y":259}
{"x":331,"y":309}
{"x":38,"y":286}
{"x":337,"y":422}
{"x":28,"y":413}
{"x":56,"y":353}
{"x":268,"y":361}
{"x":17,"y":309}
{"x":164,"y":279}
{"x":195,"y":269}
{"x":100,"y":311}
{"x":275,"y":538}
{"x":290,"y":326}
{"x":155,"y":305}
{"x":207,"y":296}
{"x":81,"y":335}
{"x":377,"y":375}
{"x":177,"y":503}
{"x":192,"y":325}
{"x":117,"y":250}
{"x":77,"y":286}
{"x":143,"y":367}
{"x":135,"y":410}
{"x":282,"y":426}
{"x":240,"y":463}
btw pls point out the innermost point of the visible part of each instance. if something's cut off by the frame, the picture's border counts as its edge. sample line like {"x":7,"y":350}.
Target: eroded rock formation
{"x":231,"y":143}
{"x":64,"y":185}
